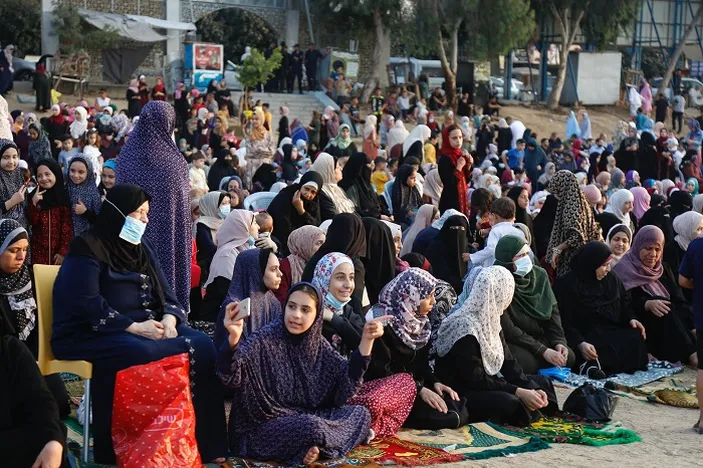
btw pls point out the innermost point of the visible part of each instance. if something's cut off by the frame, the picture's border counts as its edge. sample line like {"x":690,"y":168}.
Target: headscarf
{"x":533,"y":293}
{"x":231,"y":240}
{"x":540,"y":196}
{"x":694,"y":181}
{"x":357,"y":174}
{"x":404,"y":197}
{"x":39,"y":148}
{"x":686,"y":226}
{"x":666,"y":185}
{"x":151,"y":160}
{"x":10,"y":183}
{"x":439,"y":224}
{"x":596,"y":296}
{"x":87,"y":192}
{"x":17,"y":287}
{"x":79,"y":127}
{"x":433,"y":187}
{"x":339,"y":141}
{"x":641,"y":200}
{"x":616,"y":229}
{"x":323,"y":276}
{"x":697,"y":201}
{"x":585,"y":126}
{"x":634,"y":273}
{"x":593,"y":194}
{"x":301,"y":245}
{"x":680,"y":202}
{"x":248,"y":282}
{"x":573,"y":212}
{"x":401,"y":298}
{"x":370,"y":125}
{"x":630,"y":179}
{"x":56,"y":195}
{"x":479,"y":316}
{"x":423,"y":219}
{"x":454,"y":154}
{"x":617,"y":202}
{"x":210,"y":212}
{"x":380,"y":255}
{"x":325,"y":165}
{"x":5,"y":126}
{"x":259,"y":133}
{"x":446,"y":249}
{"x":420,"y":133}
{"x":134,"y":86}
{"x":121,"y":124}
{"x":572,"y":126}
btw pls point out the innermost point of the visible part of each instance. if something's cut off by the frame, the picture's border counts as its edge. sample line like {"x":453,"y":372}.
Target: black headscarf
{"x":444,"y":252}
{"x":521,"y":215}
{"x":56,"y":195}
{"x":220,"y":169}
{"x":103,"y":241}
{"x":542,"y":225}
{"x":404,"y":198}
{"x":603,"y":163}
{"x":380,"y":257}
{"x":660,"y":217}
{"x":265,"y":176}
{"x":357,"y":174}
{"x":418,"y":261}
{"x":680,"y":202}
{"x":290,"y":170}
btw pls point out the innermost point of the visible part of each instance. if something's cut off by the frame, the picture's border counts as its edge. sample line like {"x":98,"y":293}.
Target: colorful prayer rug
{"x":655,"y":371}
{"x":392,"y":450}
{"x":572,"y":430}
{"x":475,"y":441}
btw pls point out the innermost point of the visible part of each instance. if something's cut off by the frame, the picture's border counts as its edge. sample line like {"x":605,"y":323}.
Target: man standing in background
{"x":312,"y":55}
{"x":296,"y":69}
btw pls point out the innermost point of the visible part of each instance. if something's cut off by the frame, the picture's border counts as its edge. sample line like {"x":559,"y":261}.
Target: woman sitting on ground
{"x":475,"y":360}
{"x":295,"y":385}
{"x":302,"y":244}
{"x":356,"y":182}
{"x":405,"y":196}
{"x":333,"y":200}
{"x":618,"y":239}
{"x":426,"y":215}
{"x":404,"y":349}
{"x":114,"y":308}
{"x":532,"y":324}
{"x":597,"y":314}
{"x":214,"y":208}
{"x":657,"y":298}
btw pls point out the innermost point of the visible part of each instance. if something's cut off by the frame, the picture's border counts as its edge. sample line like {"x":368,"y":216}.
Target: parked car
{"x":686,"y":84}
{"x":516,"y":88}
{"x":232,"y":76}
{"x":24,"y":69}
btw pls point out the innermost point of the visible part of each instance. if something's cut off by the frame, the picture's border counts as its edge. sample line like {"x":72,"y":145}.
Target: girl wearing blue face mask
{"x":114,"y":307}
{"x":214,"y":208}
{"x":532,"y":323}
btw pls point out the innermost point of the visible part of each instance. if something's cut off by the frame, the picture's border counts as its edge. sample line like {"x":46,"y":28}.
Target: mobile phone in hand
{"x":244,"y":309}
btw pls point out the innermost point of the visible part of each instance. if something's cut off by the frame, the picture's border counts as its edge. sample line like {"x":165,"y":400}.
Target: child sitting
{"x":197,"y":176}
{"x":380,"y":175}
{"x":501,"y":217}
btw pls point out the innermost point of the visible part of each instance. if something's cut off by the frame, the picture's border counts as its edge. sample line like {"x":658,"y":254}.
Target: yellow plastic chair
{"x":44,"y":277}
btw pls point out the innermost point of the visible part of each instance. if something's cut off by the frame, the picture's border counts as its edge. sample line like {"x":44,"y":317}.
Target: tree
{"x":76,"y":34}
{"x":674,"y":59}
{"x":19,"y":26}
{"x":257,"y":69}
{"x":235,"y":29}
{"x":572,"y":16}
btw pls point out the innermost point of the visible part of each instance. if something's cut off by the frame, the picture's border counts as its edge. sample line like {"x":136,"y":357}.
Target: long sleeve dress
{"x":94,"y":305}
{"x":491,"y":397}
{"x":258,"y":152}
{"x":52,"y":231}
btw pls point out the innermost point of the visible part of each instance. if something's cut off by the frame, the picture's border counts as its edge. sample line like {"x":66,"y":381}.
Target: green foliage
{"x":512,"y":25}
{"x":257,"y":69}
{"x":235,"y":29}
{"x":653,"y":62}
{"x":76,"y":34}
{"x":602,"y":30}
{"x":20,"y":26}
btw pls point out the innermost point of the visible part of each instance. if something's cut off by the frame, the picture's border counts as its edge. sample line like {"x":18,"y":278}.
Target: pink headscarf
{"x":633,"y":273}
{"x":640,"y":205}
{"x":593,"y":194}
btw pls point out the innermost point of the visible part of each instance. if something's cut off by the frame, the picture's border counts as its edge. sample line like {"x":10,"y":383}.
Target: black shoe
{"x":595,"y":373}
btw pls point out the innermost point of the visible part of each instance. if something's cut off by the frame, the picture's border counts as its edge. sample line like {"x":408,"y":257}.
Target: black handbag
{"x":591,"y":403}
{"x":423,"y":416}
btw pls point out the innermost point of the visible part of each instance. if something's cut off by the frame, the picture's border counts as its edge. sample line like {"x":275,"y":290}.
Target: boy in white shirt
{"x":501,"y":217}
{"x":197,"y":176}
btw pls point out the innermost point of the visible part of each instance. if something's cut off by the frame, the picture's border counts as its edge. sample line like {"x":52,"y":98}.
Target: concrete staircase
{"x":300,"y":105}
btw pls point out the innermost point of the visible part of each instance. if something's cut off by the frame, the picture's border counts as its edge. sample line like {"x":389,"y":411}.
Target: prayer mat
{"x":671,"y":392}
{"x":573,"y":430}
{"x":655,"y":371}
{"x":392,"y":450}
{"x":477,"y":441}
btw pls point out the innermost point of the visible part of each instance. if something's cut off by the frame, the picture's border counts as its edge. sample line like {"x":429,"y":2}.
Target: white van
{"x":400,"y":67}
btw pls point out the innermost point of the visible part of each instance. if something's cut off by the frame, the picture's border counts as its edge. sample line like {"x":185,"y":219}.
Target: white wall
{"x":599,"y":77}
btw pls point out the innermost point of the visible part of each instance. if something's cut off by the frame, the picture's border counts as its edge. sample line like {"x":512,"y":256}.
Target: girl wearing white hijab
{"x":432,"y":189}
{"x":620,"y":204}
{"x":688,"y":227}
{"x":420,"y":134}
{"x":236,"y":234}
{"x":397,"y":134}
{"x":80,"y":123}
{"x":333,"y":199}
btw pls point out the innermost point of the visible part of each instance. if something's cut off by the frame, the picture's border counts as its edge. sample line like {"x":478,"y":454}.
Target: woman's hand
{"x":298,"y":203}
{"x":79,"y":208}
{"x":440,"y":388}
{"x":460,"y":164}
{"x":51,"y":456}
{"x":58,"y":259}
{"x":588,"y":351}
{"x":327,"y":315}
{"x":18,"y":196}
{"x":233,"y":327}
{"x":150,"y":329}
{"x":554,"y":357}
{"x":532,"y":399}
{"x":638,"y":325}
{"x":169,"y":323}
{"x":657,"y":307}
{"x":373,"y":329}
{"x":58,"y":144}
{"x":38,"y":196}
{"x":433,"y":399}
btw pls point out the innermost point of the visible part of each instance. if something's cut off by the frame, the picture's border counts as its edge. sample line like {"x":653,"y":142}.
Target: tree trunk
{"x":673,"y":60}
{"x":381,"y":57}
{"x":567,"y":25}
{"x":449,"y":64}
{"x":555,"y":95}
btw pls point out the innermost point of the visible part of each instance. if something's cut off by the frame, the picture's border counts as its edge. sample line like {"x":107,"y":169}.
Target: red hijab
{"x":454,"y":154}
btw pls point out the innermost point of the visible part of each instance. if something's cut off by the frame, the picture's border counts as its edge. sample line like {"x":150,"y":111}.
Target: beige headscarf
{"x":324,"y":165}
{"x":259,"y":133}
{"x":5,"y":126}
{"x":302,"y":245}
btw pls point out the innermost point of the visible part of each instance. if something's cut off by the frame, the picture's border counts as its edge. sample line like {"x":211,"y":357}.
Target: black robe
{"x":286,"y":218}
{"x":647,"y":157}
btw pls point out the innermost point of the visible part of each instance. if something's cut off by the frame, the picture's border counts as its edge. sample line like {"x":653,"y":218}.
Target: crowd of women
{"x":421,"y":286}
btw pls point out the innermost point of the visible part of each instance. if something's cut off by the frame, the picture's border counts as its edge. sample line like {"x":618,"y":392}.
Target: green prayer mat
{"x":572,"y":430}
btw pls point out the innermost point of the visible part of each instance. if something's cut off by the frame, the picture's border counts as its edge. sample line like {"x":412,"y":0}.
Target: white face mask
{"x":523,"y":265}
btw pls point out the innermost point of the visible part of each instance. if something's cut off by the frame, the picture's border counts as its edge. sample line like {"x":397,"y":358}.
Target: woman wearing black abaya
{"x":264,"y":178}
{"x":345,"y":235}
{"x":505,"y":136}
{"x":679,"y":202}
{"x":296,"y":206}
{"x":289,"y":168}
{"x":542,"y":225}
{"x":405,"y":197}
{"x":626,"y":155}
{"x":647,"y":157}
{"x":597,"y":314}
{"x":446,"y":250}
{"x":522,"y":200}
{"x":220,"y":169}
{"x":380,"y":257}
{"x":356,"y":182}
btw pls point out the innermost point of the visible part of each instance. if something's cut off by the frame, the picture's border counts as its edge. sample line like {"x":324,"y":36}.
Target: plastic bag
{"x":591,"y":403}
{"x":153,"y":421}
{"x":559,"y":373}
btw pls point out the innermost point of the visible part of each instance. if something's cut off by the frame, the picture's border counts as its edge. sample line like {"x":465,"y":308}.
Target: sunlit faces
{"x":10,"y":159}
{"x":412,"y":179}
{"x":426,"y":305}
{"x":620,"y":244}
{"x":342,"y":282}
{"x":627,"y":207}
{"x":300,"y":312}
{"x":45,"y":177}
{"x":272,"y":275}
{"x":12,"y":259}
{"x":141,"y":213}
{"x":308,"y":192}
{"x":650,"y":255}
{"x":524,"y":200}
{"x":33,"y":134}
{"x":78,"y":172}
{"x":603,"y":270}
{"x":456,"y":138}
{"x":108,"y":177}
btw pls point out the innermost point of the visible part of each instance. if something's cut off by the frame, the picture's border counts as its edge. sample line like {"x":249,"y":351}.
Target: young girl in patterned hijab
{"x":84,"y":194}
